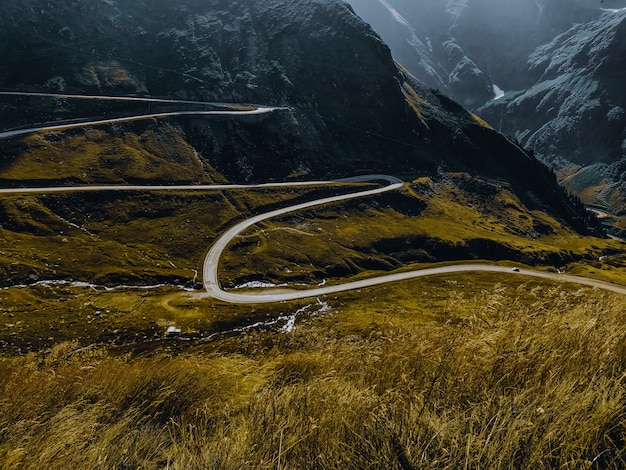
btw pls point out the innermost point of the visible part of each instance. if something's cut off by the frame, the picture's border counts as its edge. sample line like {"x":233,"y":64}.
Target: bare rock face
{"x":465,"y":47}
{"x":574,"y":113}
{"x":548,"y":73}
{"x":576,"y":108}
{"x":346,"y":107}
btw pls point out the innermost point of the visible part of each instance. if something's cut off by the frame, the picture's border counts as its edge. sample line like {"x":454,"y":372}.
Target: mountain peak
{"x":348,"y":107}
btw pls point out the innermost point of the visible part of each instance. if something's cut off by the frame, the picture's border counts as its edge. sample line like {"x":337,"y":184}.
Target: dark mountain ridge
{"x":573,"y":116}
{"x":576,"y":105}
{"x":464,"y":48}
{"x":549,"y":74}
{"x":350,"y":109}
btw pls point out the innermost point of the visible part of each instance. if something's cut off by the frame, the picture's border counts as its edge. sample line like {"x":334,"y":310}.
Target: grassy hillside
{"x":76,"y":265}
{"x":476,"y":370}
{"x":454,"y":371}
{"x":451,"y":217}
{"x":152,"y":153}
{"x":596,"y":187}
{"x":479,"y":373}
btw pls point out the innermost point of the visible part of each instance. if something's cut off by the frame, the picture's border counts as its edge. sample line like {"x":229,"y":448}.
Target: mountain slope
{"x":549,"y":73}
{"x":350,"y":108}
{"x":576,"y":106}
{"x":574,"y":114}
{"x":470,"y":49}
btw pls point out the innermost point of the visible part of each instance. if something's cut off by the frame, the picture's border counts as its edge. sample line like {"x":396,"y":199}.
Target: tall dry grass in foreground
{"x":504,"y":385}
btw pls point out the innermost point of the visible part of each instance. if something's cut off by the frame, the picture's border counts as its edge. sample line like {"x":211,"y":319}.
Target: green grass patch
{"x":105,"y":155}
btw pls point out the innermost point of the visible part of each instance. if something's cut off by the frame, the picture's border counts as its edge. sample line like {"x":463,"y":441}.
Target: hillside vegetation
{"x":449,"y":217}
{"x":478,"y":370}
{"x":484,"y":375}
{"x":81,"y":265}
{"x":464,"y":371}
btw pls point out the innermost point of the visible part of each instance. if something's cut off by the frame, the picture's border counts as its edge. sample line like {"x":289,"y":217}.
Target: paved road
{"x":600,"y":214}
{"x":180,"y":187}
{"x":269,"y":296}
{"x":105,"y":98}
{"x":211,"y":262}
{"x":145,"y":99}
{"x":228,"y":109}
{"x":252,"y":111}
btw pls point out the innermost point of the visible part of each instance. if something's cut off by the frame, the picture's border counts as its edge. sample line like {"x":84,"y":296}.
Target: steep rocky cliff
{"x":349,"y":108}
{"x":575,"y":110}
{"x":549,"y":74}
{"x":573,"y":116}
{"x":469,"y":49}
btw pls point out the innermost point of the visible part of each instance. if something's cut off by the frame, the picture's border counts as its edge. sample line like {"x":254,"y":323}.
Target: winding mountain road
{"x":145,"y":99}
{"x":141,"y":117}
{"x":269,"y":296}
{"x":173,"y":187}
{"x":228,"y":109}
{"x":211,"y":262}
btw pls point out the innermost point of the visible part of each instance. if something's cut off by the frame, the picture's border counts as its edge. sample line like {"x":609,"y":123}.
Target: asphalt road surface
{"x":228,"y":109}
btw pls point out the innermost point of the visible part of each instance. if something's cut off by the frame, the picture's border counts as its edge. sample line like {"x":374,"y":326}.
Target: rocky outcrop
{"x":347,"y":107}
{"x":576,"y":108}
{"x":547,"y":73}
{"x":469,"y":49}
{"x":575,"y":112}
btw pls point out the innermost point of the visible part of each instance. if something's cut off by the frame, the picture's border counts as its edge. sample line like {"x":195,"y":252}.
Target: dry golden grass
{"x":481,"y":122}
{"x":414,"y":100}
{"x":516,"y":377}
{"x":108,"y":157}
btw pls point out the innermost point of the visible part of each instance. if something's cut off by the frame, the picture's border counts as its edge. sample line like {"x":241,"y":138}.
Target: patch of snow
{"x":422,"y":50}
{"x":455,"y":9}
{"x":324,"y":307}
{"x":498,"y":92}
{"x":290,"y":325}
{"x":172,"y":331}
{"x":415,"y":41}
{"x":258,"y":285}
{"x":155,"y":286}
{"x":262,"y":324}
{"x":396,"y":14}
{"x":614,"y":10}
{"x":61,"y":283}
{"x":289,"y":321}
{"x":54,"y":284}
{"x":186,"y":288}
